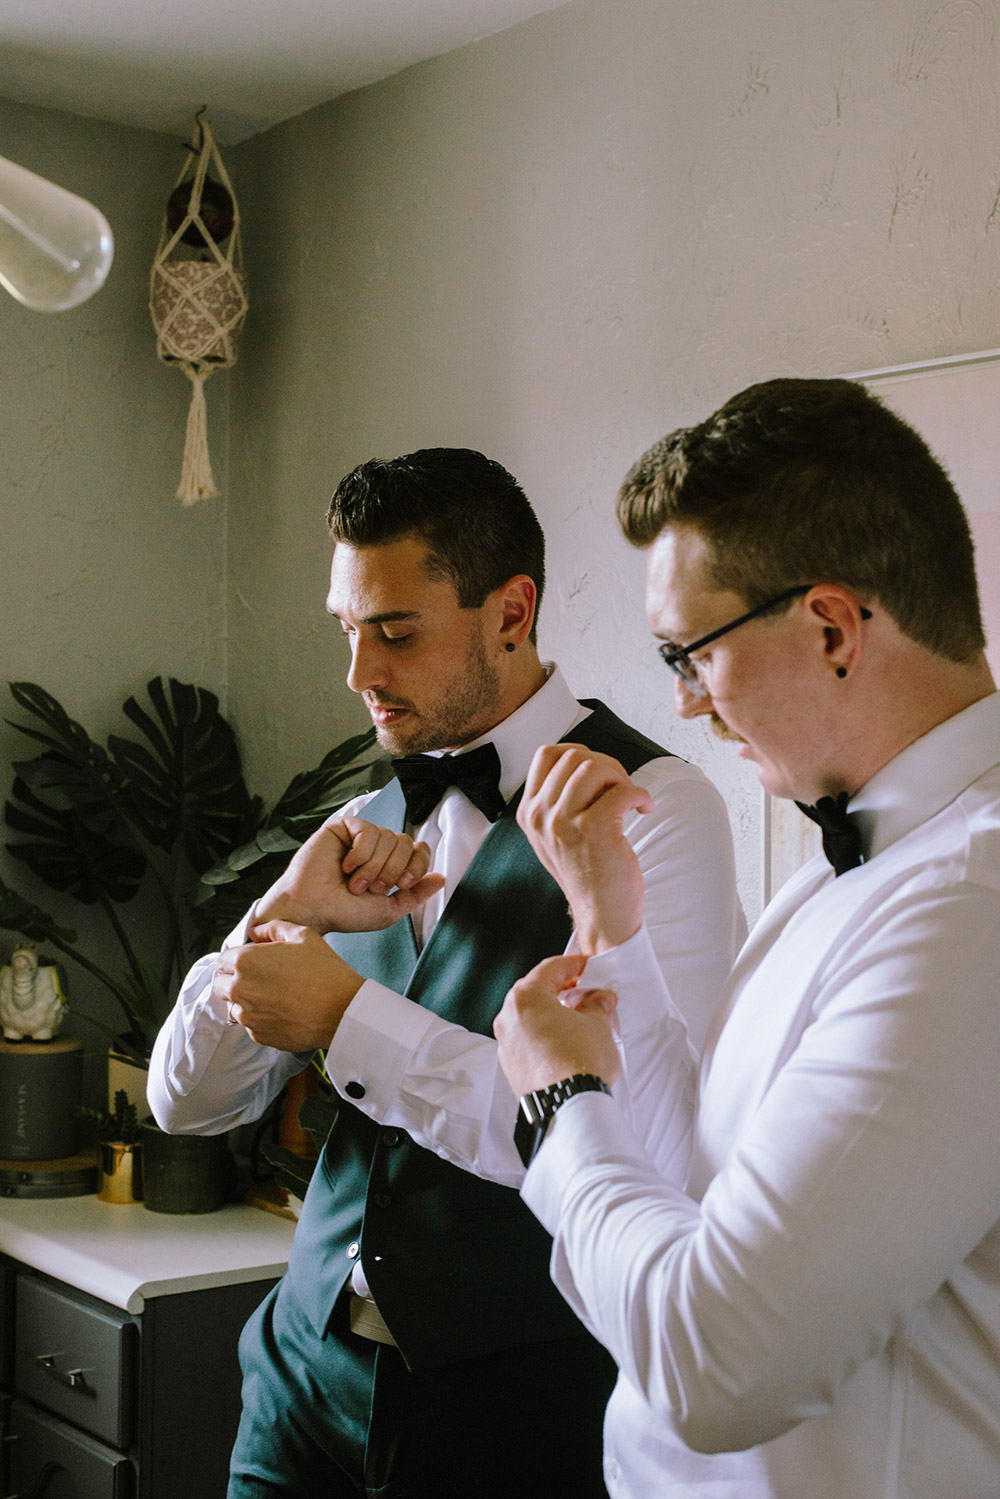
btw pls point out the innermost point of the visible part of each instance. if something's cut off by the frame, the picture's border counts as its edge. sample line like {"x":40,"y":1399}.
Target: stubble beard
{"x":469,"y":705}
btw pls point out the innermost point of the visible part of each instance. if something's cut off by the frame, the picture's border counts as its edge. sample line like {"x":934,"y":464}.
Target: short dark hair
{"x":817,"y":481}
{"x":476,"y":519}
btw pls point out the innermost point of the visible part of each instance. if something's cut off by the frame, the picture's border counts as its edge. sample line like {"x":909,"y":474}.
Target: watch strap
{"x":535,"y":1110}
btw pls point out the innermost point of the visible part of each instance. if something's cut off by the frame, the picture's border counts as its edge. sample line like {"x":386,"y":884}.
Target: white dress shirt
{"x":434,"y":1079}
{"x":817,"y":1316}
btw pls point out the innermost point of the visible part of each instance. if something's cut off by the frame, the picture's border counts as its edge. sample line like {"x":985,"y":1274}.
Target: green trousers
{"x":339,"y":1416}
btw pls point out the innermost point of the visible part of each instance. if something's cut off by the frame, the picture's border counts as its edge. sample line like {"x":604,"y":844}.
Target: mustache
{"x":383,"y":702}
{"x":723,"y":731}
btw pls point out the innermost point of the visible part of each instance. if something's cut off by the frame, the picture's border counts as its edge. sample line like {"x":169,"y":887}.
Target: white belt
{"x":367,"y":1321}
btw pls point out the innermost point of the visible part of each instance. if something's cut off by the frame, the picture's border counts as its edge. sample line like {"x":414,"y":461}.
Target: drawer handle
{"x":74,"y":1379}
{"x":42,"y":1481}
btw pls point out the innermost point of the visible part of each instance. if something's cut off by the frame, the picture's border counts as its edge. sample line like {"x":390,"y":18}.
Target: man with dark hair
{"x":799,"y":1278}
{"x":799,"y":479}
{"x":474,"y":517}
{"x":416,"y":1346}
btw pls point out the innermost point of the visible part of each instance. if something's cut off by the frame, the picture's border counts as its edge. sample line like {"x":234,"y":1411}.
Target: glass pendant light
{"x":55,"y":248}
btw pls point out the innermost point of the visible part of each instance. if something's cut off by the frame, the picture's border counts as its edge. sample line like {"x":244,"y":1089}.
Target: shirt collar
{"x":546,"y":716}
{"x":927,"y":775}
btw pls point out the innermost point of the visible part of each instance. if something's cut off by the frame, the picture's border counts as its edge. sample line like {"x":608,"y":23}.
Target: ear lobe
{"x":840,"y":615}
{"x":518,"y":607}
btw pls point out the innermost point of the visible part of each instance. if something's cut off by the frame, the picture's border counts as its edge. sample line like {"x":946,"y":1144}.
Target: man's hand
{"x":341,"y":878}
{"x":574,"y":804}
{"x":547,"y":1030}
{"x":287,"y":988}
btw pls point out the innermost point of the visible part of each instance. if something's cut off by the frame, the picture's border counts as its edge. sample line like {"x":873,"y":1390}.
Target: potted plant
{"x":121,"y":1151}
{"x":156,"y":813}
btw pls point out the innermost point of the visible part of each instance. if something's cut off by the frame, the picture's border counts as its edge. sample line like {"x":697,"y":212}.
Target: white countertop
{"x":125,"y":1254}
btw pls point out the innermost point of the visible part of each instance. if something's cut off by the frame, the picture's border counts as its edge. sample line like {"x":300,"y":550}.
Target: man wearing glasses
{"x":798,"y":1275}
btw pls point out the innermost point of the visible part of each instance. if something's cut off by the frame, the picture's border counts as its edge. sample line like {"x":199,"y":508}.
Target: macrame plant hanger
{"x":198,"y":304}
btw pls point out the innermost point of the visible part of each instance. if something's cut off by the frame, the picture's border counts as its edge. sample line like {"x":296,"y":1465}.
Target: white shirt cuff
{"x":633,"y":973}
{"x":586,"y":1131}
{"x":374,"y":1044}
{"x":215,"y":1006}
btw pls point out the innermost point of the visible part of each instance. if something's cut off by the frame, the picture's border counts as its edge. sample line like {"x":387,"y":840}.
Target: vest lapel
{"x":388,"y":956}
{"x":505,"y":914}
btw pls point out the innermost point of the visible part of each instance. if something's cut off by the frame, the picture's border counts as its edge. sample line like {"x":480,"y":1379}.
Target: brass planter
{"x":121,"y":1172}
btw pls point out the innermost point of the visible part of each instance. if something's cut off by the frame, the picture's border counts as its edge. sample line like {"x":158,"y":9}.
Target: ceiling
{"x":152,"y":63}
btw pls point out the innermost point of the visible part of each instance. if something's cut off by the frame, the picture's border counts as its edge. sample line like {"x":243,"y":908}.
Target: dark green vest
{"x":458,"y":1266}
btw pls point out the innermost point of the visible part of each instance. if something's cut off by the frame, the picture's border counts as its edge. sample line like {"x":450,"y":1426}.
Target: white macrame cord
{"x":198,"y":307}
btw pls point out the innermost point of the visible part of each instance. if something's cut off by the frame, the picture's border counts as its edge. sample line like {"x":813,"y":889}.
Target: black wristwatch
{"x":536,"y":1109}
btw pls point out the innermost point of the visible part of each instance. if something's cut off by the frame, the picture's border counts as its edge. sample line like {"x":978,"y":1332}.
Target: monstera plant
{"x":165,"y":813}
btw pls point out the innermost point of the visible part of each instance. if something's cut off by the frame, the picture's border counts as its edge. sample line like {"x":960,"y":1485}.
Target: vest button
{"x":355,"y":1090}
{"x":353,"y":1250}
{"x":392,"y":1137}
{"x":382,"y":1200}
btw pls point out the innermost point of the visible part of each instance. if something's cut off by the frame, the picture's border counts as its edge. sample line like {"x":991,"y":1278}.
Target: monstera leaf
{"x":231,"y":886}
{"x":187,"y":785}
{"x":94,"y":822}
{"x":153,"y":812}
{"x":73,"y":774}
{"x":58,"y":732}
{"x":314,"y":795}
{"x":19,"y":915}
{"x":65,"y":850}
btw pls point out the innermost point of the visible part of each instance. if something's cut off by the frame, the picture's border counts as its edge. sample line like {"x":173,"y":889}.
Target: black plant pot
{"x":186,"y":1173}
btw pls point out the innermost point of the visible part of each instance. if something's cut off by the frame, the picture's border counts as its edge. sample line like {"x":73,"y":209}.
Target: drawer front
{"x":49,"y":1458}
{"x":5,"y":1443}
{"x":6,"y":1321}
{"x":75,"y":1359}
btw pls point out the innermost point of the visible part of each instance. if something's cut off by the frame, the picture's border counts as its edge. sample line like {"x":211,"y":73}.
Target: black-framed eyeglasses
{"x":678,"y":657}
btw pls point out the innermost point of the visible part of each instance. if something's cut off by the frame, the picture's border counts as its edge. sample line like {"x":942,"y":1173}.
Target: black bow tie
{"x":426,"y":778}
{"x":841,"y":835}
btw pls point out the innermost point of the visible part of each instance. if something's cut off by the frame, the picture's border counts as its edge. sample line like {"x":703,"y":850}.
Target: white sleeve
{"x":444,"y":1085}
{"x":692,"y":911}
{"x":207,"y":1076}
{"x":866,"y":1176}
{"x":438,"y":1081}
{"x":656,"y":1090}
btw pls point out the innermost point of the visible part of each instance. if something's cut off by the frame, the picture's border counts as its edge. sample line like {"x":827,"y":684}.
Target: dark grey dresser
{"x":118,"y":1333}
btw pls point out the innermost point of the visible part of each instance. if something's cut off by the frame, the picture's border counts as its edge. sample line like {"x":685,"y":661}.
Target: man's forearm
{"x":205,"y":1075}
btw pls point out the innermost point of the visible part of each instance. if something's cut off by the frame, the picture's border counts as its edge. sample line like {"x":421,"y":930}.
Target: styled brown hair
{"x":817,"y":481}
{"x":476,"y":519}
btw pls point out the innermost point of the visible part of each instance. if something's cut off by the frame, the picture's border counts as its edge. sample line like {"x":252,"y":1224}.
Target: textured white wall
{"x":560,"y":243}
{"x":106,"y":580}
{"x":554,"y":245}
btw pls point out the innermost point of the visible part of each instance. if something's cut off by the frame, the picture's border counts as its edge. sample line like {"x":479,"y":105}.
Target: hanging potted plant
{"x":154,"y":813}
{"x":198,"y":297}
